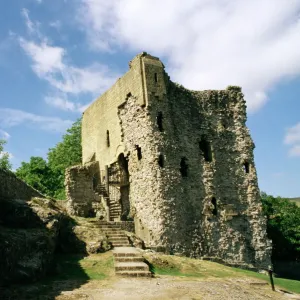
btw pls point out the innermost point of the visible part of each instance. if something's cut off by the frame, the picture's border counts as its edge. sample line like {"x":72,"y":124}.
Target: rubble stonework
{"x":188,"y":156}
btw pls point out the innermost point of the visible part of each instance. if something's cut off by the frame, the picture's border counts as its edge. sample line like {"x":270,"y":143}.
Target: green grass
{"x":75,"y":267}
{"x":187,"y":267}
{"x":288,"y":284}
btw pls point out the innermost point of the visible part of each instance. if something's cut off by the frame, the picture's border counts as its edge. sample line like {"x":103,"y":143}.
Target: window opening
{"x":155,"y":77}
{"x":214,"y":203}
{"x":161,"y":160}
{"x":246,"y":167}
{"x":184,"y":167}
{"x":138,"y":151}
{"x":205,"y":147}
{"x":107,"y":139}
{"x":159,"y":120}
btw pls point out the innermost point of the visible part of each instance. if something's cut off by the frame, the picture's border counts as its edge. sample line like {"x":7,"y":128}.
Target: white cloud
{"x":208,"y":44}
{"x":295,"y":151}
{"x":292,"y":138}
{"x":293,"y":135}
{"x":4,"y":135}
{"x":51,"y":63}
{"x":65,"y":104}
{"x":13,"y":117}
{"x":55,"y":24}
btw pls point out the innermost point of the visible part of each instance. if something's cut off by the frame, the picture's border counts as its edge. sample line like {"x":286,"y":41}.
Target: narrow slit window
{"x":155,"y":78}
{"x":159,"y":120}
{"x":161,"y":160}
{"x":205,"y":147}
{"x":184,"y":167}
{"x":107,"y":138}
{"x":214,"y":203}
{"x":246,"y":167}
{"x":138,"y":152}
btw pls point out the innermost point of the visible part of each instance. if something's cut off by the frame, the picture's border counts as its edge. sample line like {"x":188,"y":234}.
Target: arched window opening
{"x":205,"y":147}
{"x":161,"y":160}
{"x":107,"y":138}
{"x":159,"y":120}
{"x":138,"y":152}
{"x":155,"y":77}
{"x":246,"y":167}
{"x":184,"y":167}
{"x":214,"y":203}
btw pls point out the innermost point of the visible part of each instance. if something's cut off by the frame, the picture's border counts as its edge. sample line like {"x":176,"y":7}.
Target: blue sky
{"x":57,"y":56}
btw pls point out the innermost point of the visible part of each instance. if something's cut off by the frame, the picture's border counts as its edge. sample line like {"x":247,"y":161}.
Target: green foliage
{"x":38,"y":174}
{"x":65,"y":154}
{"x":283,"y":227}
{"x":48,"y":177}
{"x":4,"y":157}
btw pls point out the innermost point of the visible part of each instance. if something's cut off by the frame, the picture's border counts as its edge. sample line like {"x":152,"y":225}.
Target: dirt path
{"x":165,"y":287}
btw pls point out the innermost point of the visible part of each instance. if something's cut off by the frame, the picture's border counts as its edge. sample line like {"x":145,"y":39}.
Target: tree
{"x":283,"y":227}
{"x":4,"y":157}
{"x":38,"y":174}
{"x":65,"y":154}
{"x":48,"y":177}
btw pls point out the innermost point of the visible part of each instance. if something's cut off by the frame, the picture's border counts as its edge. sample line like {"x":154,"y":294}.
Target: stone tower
{"x":178,"y":162}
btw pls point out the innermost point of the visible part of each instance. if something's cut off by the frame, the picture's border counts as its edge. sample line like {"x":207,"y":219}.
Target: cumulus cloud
{"x":207,"y":44}
{"x":65,"y":104}
{"x":51,"y":63}
{"x":292,"y":138}
{"x":14,"y":117}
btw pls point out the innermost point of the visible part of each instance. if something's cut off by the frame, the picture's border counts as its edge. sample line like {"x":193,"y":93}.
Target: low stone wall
{"x":79,"y":189}
{"x":11,"y":187}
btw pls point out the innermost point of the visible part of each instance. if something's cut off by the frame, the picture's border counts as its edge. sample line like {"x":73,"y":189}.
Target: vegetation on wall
{"x":4,"y":157}
{"x":48,"y":176}
{"x":283,"y":227}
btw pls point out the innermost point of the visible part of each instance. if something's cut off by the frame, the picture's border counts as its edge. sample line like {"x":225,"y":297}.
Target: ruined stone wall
{"x":193,"y":183}
{"x":176,"y":212}
{"x":11,"y":187}
{"x":81,"y":197}
{"x":101,"y":118}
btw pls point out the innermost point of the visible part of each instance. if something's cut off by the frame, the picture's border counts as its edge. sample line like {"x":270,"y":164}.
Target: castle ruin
{"x":178,"y":163}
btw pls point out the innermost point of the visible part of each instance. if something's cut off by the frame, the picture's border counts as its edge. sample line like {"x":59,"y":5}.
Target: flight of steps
{"x":130,"y":263}
{"x":128,"y":259}
{"x":115,"y":209}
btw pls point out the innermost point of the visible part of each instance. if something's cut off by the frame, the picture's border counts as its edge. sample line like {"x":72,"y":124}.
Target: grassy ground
{"x":95,"y":274}
{"x":92,"y":267}
{"x":187,"y":267}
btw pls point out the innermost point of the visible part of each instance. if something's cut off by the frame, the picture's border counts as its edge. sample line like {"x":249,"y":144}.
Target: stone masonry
{"x":178,"y":162}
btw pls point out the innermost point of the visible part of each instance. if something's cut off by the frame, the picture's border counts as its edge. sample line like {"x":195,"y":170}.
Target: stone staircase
{"x":128,"y":260}
{"x":115,"y":209}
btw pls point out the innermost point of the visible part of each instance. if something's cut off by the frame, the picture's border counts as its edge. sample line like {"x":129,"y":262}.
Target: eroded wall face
{"x":80,"y":193}
{"x":193,"y":184}
{"x":193,"y":187}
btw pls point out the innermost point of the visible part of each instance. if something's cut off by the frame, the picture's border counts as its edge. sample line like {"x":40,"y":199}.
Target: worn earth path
{"x":166,"y":287}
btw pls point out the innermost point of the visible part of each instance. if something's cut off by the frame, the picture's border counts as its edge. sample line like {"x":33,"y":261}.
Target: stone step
{"x":134,"y":273}
{"x":118,"y":241}
{"x":131,"y":266}
{"x":114,"y":233}
{"x":129,"y":259}
{"x":113,"y":227}
{"x":121,"y":244}
{"x":126,"y":252}
{"x":118,"y":238}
